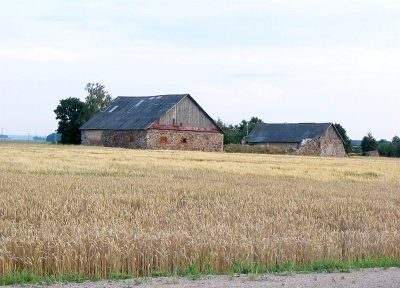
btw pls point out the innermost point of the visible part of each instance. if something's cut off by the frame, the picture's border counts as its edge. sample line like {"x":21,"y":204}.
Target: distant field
{"x":101,"y":211}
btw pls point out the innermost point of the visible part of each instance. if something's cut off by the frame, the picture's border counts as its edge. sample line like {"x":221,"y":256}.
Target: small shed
{"x":173,"y":122}
{"x":318,"y":139}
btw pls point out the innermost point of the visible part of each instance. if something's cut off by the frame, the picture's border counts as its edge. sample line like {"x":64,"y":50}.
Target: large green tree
{"x":70,"y":114}
{"x":346,"y":140}
{"x":97,"y":99}
{"x":369,"y":143}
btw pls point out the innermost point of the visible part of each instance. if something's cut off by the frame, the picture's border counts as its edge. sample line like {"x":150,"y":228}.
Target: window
{"x":112,"y":109}
{"x":132,"y":139}
{"x":184,"y":140}
{"x":140,"y":102}
{"x":163,"y":140}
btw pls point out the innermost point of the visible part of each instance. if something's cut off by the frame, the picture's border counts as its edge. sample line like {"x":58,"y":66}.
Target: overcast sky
{"x":280,"y":60}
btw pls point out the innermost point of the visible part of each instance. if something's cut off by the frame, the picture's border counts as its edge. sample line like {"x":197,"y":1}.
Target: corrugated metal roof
{"x":128,"y":113}
{"x":286,"y":132}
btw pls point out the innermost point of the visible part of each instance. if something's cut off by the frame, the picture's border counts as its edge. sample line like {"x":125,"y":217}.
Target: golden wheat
{"x":95,"y":211}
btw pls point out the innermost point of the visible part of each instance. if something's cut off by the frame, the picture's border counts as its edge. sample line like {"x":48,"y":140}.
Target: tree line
{"x":72,"y":113}
{"x":383,"y":146}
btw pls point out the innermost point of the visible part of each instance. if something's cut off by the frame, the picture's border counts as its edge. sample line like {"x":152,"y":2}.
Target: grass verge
{"x":193,"y":273}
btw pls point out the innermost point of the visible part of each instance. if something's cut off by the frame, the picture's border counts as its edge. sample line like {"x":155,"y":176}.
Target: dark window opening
{"x":173,"y":122}
{"x":184,"y":140}
{"x":132,"y":138}
{"x":116,"y":138}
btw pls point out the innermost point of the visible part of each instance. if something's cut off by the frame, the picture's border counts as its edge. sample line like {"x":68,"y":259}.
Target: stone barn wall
{"x":332,"y":147}
{"x":373,"y":153}
{"x":91,"y":137}
{"x":185,"y":140}
{"x":126,"y":139}
{"x":281,"y":146}
{"x":113,"y":138}
{"x":322,"y":147}
{"x":155,"y":139}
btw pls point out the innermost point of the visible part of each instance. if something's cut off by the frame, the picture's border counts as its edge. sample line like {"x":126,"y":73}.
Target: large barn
{"x":319,"y":139}
{"x":154,"y":122}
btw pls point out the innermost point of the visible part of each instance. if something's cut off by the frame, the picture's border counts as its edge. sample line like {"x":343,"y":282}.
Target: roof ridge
{"x":122,"y":96}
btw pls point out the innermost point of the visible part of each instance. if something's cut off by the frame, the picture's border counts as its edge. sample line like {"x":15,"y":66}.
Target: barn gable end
{"x":187,"y":113}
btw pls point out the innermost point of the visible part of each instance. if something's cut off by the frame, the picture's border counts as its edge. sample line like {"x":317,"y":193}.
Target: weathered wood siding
{"x":330,"y":133}
{"x":186,"y":113}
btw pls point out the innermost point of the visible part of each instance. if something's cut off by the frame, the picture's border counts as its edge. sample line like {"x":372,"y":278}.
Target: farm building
{"x":319,"y":139}
{"x":154,"y":122}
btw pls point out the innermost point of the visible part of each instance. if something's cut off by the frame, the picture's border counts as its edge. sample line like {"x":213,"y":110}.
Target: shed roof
{"x":286,"y":132}
{"x":126,"y":113}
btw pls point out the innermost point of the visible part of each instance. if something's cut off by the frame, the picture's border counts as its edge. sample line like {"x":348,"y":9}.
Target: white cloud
{"x":313,"y":62}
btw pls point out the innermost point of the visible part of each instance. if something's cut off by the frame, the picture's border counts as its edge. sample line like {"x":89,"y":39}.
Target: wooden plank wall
{"x":330,"y":134}
{"x":186,"y":113}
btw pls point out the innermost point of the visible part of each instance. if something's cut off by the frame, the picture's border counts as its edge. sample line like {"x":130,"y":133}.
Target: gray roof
{"x":286,"y":132}
{"x":131,"y":113}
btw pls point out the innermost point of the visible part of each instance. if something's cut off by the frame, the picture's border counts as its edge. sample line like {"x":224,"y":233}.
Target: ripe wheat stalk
{"x":95,"y":211}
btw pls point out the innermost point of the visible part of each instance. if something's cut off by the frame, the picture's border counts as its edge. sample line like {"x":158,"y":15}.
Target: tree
{"x":245,"y":127}
{"x":71,"y":115}
{"x":97,"y":100}
{"x":396,"y":140}
{"x":369,"y":143}
{"x":396,"y":146}
{"x":385,"y":148}
{"x":346,"y":140}
{"x":235,"y":133}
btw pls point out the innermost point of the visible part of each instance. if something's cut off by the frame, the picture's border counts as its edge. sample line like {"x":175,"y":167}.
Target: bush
{"x":260,"y":149}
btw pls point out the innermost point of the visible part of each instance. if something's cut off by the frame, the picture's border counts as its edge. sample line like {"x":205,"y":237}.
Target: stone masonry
{"x":185,"y":140}
{"x":112,"y":138}
{"x":155,"y":139}
{"x":126,"y":139}
{"x":321,"y":147}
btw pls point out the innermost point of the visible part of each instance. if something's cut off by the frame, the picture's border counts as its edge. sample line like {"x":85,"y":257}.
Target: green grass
{"x":192,"y":272}
{"x":26,"y":277}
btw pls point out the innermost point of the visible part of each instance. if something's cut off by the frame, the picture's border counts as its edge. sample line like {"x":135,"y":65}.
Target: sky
{"x":280,"y":60}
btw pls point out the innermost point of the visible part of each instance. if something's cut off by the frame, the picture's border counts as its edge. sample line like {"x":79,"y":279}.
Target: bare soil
{"x":366,"y":278}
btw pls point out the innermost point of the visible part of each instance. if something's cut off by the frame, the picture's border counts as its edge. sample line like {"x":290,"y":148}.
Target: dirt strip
{"x":366,"y":278}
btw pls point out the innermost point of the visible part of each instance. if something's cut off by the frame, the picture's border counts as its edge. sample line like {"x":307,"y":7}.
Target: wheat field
{"x":95,"y":211}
